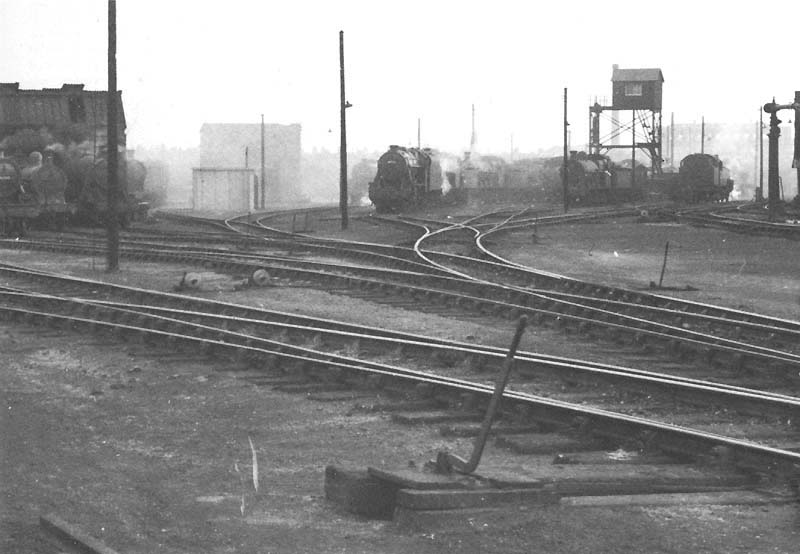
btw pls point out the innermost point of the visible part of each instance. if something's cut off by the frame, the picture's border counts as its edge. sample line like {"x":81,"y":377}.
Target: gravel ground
{"x":149,"y":450}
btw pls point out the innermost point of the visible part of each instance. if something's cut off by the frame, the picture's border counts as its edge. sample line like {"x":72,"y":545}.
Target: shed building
{"x":223,"y":189}
{"x":70,"y":114}
{"x":636,"y":89}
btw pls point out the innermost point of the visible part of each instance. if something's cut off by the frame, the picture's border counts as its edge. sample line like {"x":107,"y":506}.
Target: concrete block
{"x":360,"y":493}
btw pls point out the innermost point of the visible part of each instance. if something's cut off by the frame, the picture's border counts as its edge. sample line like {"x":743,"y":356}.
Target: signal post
{"x":773,"y":185}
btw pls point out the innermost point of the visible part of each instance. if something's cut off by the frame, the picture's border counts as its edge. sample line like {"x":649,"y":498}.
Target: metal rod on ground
{"x":664,"y":265}
{"x":112,"y":161}
{"x":447,"y":462}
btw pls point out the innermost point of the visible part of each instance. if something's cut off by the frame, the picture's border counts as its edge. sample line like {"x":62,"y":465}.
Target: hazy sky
{"x":182,"y":63}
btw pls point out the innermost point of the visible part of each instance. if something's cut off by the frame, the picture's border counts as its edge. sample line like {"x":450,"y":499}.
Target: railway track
{"x":248,"y":334}
{"x":736,"y":219}
{"x":725,"y":337}
{"x":575,"y":297}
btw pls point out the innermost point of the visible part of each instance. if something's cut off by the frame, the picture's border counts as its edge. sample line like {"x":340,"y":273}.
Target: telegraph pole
{"x":419,"y":133}
{"x":760,"y":155}
{"x":703,"y":135}
{"x":343,"y":142}
{"x":564,"y":172}
{"x":796,"y":158}
{"x":263,"y":183}
{"x":672,"y":139}
{"x":633,"y":151}
{"x":112,"y":161}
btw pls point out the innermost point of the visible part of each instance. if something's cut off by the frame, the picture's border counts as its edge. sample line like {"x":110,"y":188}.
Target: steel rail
{"x":533,"y":360}
{"x":328,"y":362}
{"x":658,"y":331}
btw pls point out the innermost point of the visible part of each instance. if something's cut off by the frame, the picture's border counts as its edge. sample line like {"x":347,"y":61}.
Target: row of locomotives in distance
{"x":405,"y":178}
{"x":591,"y":179}
{"x":53,"y":190}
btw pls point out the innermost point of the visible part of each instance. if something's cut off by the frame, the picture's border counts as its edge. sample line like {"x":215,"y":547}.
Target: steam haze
{"x":185,"y":63}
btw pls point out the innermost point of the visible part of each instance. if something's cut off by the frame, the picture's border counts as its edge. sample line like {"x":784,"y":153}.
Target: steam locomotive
{"x":701,"y":177}
{"x":405,"y":178}
{"x":49,"y":192}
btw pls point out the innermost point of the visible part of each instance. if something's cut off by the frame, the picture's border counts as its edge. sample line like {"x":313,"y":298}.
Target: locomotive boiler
{"x":405,"y":178}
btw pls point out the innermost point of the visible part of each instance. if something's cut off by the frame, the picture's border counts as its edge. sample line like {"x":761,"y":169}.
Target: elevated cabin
{"x":636,"y":89}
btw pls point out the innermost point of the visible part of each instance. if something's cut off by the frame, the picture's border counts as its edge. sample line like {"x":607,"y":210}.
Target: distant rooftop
{"x":67,"y":105}
{"x":644,"y":74}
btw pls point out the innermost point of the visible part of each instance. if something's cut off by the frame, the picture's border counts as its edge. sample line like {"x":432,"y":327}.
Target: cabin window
{"x":77,"y":109}
{"x":633,"y":89}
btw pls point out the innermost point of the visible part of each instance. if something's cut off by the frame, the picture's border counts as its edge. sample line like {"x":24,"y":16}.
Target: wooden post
{"x":760,"y":155}
{"x":343,"y":139}
{"x":565,"y":171}
{"x":633,"y":154}
{"x":703,"y":135}
{"x":263,"y":183}
{"x":112,"y":154}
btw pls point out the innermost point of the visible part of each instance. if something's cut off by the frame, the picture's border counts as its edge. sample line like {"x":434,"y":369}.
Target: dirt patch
{"x":752,"y":273}
{"x":148,"y":450}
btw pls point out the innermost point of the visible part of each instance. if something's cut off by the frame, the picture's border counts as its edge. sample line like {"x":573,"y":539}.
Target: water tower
{"x":636,"y":97}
